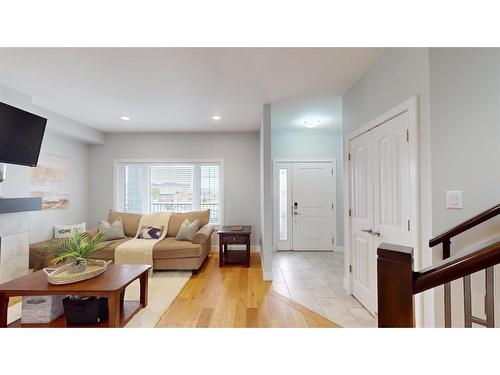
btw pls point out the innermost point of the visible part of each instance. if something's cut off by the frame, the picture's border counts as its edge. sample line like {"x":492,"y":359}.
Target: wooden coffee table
{"x":111,"y":284}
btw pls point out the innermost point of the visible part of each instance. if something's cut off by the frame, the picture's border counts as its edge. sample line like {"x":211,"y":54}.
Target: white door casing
{"x":312,"y":206}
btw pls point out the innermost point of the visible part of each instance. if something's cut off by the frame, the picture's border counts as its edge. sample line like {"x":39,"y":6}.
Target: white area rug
{"x":163,"y":288}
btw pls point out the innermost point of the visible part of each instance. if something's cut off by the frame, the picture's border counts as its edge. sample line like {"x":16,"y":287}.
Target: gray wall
{"x":240,"y":152}
{"x":55,"y":142}
{"x":18,"y":185}
{"x":465,"y":115}
{"x":314,"y":144}
{"x":399,"y":74}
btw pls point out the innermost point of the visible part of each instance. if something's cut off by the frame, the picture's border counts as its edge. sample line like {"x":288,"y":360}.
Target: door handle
{"x":369,"y":230}
{"x":377,"y":233}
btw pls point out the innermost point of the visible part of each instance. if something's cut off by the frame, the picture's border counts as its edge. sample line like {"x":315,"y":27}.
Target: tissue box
{"x":41,"y":309}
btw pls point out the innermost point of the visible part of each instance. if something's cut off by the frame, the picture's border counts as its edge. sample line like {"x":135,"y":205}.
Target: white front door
{"x":312,"y":206}
{"x":380,"y":196}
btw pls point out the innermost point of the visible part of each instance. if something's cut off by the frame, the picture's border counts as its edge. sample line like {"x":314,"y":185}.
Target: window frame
{"x":220,"y":162}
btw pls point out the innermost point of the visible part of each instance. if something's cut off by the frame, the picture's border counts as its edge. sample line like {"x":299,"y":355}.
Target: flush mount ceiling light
{"x":216,"y":117}
{"x":125,"y":118}
{"x":311,"y":123}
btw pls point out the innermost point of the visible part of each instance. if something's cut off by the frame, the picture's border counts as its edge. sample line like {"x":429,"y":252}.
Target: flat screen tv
{"x":21,"y":135}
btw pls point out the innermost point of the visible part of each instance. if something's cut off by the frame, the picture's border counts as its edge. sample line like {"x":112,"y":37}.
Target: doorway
{"x":305,"y":207}
{"x":382,"y":170}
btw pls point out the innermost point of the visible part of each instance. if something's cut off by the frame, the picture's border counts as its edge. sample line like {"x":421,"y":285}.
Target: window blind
{"x":174,"y":187}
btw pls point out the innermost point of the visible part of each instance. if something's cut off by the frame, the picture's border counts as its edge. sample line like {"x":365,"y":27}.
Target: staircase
{"x":397,"y":282}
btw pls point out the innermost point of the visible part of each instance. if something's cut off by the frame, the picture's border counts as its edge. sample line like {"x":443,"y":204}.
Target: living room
{"x":264,"y":170}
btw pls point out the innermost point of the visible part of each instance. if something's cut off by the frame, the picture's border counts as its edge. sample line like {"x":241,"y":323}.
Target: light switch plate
{"x":454,"y":199}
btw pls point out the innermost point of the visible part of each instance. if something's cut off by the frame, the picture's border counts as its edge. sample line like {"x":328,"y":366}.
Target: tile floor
{"x":314,"y":279}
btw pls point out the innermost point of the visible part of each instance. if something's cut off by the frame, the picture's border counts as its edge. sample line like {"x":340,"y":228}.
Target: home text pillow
{"x":64,"y":231}
{"x":188,"y":230}
{"x":150,"y":233}
{"x":112,"y":231}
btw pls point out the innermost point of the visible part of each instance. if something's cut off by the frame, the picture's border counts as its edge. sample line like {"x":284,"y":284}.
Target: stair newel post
{"x":447,"y":287}
{"x":395,"y":286}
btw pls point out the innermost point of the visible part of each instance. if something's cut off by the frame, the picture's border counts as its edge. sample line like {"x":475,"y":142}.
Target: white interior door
{"x":362,"y":241}
{"x":313,"y":206}
{"x":380,"y":194}
{"x":391,"y":182}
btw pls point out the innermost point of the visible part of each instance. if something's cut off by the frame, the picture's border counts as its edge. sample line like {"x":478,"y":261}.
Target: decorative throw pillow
{"x":64,"y":231}
{"x":112,"y":231}
{"x":150,"y":233}
{"x":188,"y":230}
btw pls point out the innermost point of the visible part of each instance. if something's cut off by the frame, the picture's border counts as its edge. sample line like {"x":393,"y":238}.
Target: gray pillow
{"x":112,"y":231}
{"x":188,"y":230}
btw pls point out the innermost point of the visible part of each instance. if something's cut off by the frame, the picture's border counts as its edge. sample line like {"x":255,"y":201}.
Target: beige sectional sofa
{"x":168,"y":254}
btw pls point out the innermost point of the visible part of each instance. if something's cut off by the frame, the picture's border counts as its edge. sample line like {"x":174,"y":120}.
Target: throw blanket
{"x":138,"y":250}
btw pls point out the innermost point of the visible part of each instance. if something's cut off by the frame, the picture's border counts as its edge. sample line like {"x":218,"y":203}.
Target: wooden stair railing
{"x":445,"y":240}
{"x":397,"y":282}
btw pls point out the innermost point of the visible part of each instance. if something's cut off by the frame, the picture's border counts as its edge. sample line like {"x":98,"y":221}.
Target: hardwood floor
{"x":236,"y":296}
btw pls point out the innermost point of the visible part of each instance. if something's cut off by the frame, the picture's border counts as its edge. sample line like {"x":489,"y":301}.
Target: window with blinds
{"x":175,"y":187}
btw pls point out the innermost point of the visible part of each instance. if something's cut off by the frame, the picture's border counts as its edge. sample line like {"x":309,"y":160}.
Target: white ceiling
{"x":176,"y":89}
{"x":290,"y":114}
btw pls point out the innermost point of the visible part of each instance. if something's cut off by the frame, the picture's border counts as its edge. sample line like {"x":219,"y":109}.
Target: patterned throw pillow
{"x":150,"y":233}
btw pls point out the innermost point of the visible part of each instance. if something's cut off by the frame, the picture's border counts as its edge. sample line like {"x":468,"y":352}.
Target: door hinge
{"x":407,"y":135}
{"x":332,"y":171}
{"x":333,"y":241}
{"x":332,"y":206}
{"x":408,"y":225}
{"x":349,"y":156}
{"x":350,"y":212}
{"x":350,"y":269}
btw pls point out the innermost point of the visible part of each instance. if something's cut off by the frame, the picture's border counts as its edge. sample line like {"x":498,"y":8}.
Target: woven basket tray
{"x":60,"y":275}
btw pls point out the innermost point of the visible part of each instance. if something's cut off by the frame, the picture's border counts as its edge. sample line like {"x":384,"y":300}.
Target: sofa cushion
{"x":171,"y":248}
{"x":109,"y":251}
{"x":178,"y":218}
{"x":130,"y":221}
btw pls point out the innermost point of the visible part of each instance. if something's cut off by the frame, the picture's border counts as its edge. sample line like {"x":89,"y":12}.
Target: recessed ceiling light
{"x":216,"y":117}
{"x":311,"y":123}
{"x":125,"y":118}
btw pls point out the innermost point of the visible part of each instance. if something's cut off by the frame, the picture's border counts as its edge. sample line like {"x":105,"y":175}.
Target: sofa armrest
{"x":203,"y":234}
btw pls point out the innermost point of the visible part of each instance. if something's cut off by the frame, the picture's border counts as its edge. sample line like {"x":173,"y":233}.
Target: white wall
{"x":240,"y":152}
{"x":465,"y":114}
{"x":310,"y":144}
{"x":399,"y":74}
{"x":266,"y":194}
{"x":59,"y":140}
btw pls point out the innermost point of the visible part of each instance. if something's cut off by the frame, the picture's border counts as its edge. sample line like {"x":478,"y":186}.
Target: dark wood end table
{"x":234,"y":237}
{"x":111,"y":284}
